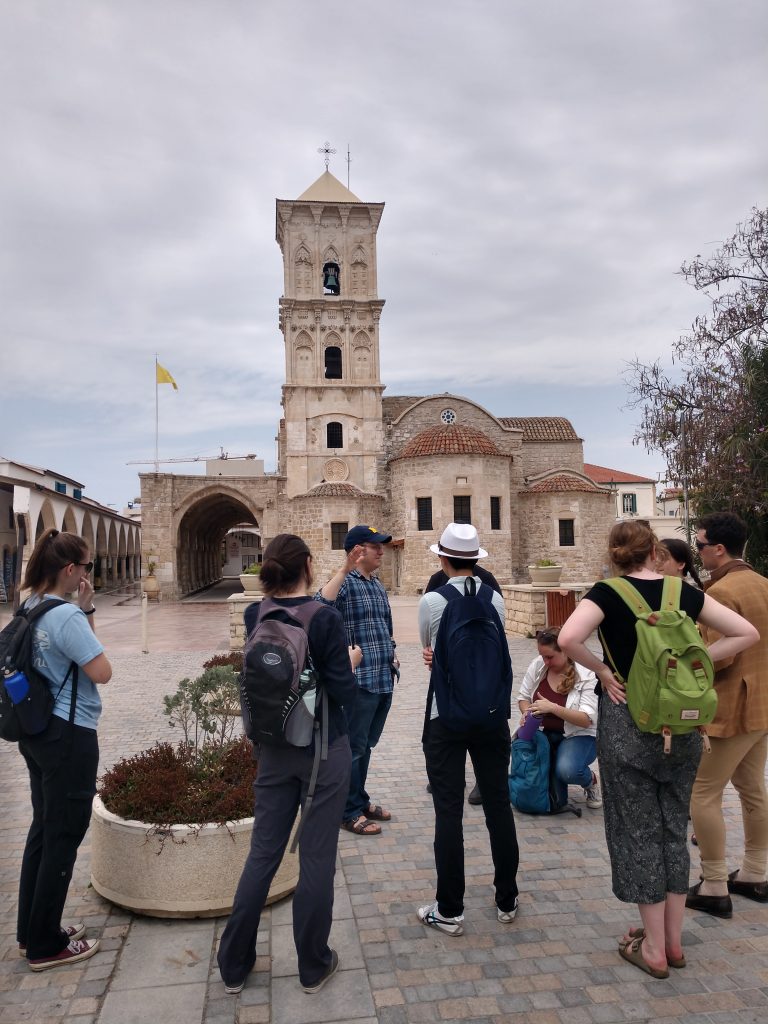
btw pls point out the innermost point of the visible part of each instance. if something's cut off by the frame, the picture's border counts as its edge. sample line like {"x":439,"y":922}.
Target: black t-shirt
{"x":618,"y":627}
{"x":439,"y":579}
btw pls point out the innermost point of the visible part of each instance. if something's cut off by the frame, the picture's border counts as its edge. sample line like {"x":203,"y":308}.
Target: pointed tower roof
{"x":327,"y":189}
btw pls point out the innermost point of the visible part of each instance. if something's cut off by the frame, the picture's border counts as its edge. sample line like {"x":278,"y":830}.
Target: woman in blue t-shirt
{"x":646,"y":792}
{"x":63,"y":759}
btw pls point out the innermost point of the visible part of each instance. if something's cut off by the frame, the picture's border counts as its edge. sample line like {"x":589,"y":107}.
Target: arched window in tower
{"x":331,"y":275}
{"x":334,"y":434}
{"x":333,"y":363}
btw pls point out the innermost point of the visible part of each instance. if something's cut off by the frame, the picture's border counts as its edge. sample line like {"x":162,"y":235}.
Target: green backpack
{"x":670,"y":687}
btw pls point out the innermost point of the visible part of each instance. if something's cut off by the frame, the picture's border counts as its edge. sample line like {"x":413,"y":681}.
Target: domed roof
{"x":451,"y":439}
{"x":334,"y":490}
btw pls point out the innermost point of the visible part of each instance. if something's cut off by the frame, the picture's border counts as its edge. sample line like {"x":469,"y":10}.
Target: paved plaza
{"x":556,"y":964}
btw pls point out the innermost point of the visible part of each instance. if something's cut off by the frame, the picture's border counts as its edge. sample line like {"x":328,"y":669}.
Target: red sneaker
{"x":78,"y":949}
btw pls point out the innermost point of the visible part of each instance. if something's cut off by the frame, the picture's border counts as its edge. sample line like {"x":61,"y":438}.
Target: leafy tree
{"x":709,"y":418}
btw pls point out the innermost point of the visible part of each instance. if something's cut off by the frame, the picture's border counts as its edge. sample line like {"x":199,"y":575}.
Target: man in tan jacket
{"x":739,"y":733}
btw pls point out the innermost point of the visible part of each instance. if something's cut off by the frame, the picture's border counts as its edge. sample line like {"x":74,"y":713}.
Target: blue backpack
{"x":529,"y":775}
{"x":471,"y":668}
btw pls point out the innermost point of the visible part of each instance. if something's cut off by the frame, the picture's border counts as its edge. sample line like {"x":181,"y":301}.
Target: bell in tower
{"x":331,"y":279}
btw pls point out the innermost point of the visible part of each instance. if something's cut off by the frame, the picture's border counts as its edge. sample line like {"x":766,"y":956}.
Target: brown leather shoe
{"x":718,"y":906}
{"x":752,"y":890}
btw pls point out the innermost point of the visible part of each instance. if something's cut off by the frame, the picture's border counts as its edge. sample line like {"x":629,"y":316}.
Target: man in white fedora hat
{"x":471,"y":715}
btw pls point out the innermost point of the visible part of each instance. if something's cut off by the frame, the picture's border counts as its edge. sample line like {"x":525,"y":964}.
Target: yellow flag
{"x":163,"y":377}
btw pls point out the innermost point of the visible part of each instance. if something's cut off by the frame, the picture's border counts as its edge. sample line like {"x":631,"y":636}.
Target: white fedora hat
{"x":459,"y":540}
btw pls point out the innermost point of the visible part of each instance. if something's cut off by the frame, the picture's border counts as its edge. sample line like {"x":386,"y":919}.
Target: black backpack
{"x":471,"y":668}
{"x":279,"y":691}
{"x":33,"y":713}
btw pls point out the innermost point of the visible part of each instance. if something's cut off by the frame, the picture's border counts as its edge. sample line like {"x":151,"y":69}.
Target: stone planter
{"x":151,"y":587}
{"x":195,"y":874}
{"x":251,"y":583}
{"x":545,"y":575}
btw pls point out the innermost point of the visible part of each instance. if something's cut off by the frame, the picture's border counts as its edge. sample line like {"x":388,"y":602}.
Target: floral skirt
{"x":646,"y":799}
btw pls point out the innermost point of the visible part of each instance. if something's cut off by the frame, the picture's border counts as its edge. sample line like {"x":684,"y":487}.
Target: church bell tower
{"x":329,"y":318}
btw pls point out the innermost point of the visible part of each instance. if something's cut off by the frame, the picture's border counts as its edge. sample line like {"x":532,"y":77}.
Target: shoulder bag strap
{"x":671,"y":593}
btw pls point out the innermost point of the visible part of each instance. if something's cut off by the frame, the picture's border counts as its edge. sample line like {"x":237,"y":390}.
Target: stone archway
{"x":200,"y":536}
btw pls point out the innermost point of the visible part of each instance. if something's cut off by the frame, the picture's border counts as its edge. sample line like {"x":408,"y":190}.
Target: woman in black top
{"x":281,"y":786}
{"x":646,"y":793}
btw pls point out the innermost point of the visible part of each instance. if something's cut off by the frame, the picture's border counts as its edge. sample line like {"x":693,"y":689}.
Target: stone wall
{"x":525,"y":607}
{"x":436,"y":476}
{"x":540,"y":456}
{"x":427,"y":414}
{"x":592,"y":515}
{"x":311,"y":518}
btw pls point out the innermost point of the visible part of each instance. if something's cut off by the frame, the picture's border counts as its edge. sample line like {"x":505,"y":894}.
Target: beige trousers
{"x":740,"y":760}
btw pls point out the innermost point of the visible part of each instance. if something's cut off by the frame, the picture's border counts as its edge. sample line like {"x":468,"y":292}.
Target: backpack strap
{"x":32,"y":615}
{"x":321,"y":754}
{"x":630,"y":595}
{"x":671,"y":593}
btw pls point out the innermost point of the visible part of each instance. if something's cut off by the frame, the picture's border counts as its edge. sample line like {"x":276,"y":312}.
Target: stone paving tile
{"x":174,"y":1004}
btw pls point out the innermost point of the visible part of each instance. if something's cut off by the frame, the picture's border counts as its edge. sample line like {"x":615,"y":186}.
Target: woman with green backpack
{"x":649,"y":750}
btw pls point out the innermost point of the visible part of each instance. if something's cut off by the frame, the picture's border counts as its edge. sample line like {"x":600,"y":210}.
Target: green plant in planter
{"x":545,"y":563}
{"x":252,"y":570}
{"x":207,"y":777}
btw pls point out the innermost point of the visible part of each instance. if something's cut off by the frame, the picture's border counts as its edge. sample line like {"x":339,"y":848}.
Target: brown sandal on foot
{"x":362,"y":826}
{"x":632,"y":952}
{"x":678,"y":962}
{"x":376,"y":812}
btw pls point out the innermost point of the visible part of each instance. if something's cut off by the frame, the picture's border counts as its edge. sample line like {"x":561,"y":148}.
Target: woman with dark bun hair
{"x":281,"y":788}
{"x":646,"y":793}
{"x":680,"y":561}
{"x":63,"y":759}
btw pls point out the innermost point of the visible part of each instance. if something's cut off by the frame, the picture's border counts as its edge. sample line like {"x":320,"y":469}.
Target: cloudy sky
{"x":546,"y":166}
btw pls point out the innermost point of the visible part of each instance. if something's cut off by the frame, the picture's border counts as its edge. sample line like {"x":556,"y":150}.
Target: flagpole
{"x":157,"y":424}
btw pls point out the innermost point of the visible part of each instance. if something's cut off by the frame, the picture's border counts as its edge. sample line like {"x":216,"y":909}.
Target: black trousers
{"x":62,"y":763}
{"x":446,"y":753}
{"x":280,"y":788}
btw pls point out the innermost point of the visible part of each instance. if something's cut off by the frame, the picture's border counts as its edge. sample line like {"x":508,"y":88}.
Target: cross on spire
{"x":326,"y":149}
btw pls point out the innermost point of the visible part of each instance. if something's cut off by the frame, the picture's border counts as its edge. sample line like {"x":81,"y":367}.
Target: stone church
{"x":349,"y":454}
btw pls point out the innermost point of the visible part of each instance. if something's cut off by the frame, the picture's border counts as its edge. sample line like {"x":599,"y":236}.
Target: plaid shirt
{"x":368,"y":623}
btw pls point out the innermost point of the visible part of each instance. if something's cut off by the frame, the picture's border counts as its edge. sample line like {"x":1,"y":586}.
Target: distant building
{"x":347,"y":454}
{"x":633,"y":495}
{"x":33,"y":499}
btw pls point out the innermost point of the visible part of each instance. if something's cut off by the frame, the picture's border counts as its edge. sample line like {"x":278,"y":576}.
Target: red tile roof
{"x":339,"y":490}
{"x":563,"y":482}
{"x":603,"y":475}
{"x":454,"y":439}
{"x":542,"y":428}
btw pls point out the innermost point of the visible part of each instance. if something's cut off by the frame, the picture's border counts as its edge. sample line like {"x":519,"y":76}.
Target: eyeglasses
{"x":701,"y":544}
{"x":86,"y":565}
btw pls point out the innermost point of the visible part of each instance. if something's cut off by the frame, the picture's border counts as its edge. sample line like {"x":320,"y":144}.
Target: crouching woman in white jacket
{"x":561,"y":694}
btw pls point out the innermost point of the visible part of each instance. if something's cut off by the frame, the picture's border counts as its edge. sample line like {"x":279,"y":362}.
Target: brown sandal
{"x":678,"y":962}
{"x":362,"y":826}
{"x":377,"y":813}
{"x":632,"y":952}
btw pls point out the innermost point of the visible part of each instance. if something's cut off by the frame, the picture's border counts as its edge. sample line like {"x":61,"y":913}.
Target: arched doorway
{"x":200,"y":552}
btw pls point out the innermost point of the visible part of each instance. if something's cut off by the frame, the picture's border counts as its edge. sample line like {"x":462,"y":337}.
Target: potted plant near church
{"x":545,"y":573}
{"x":250,"y":579}
{"x":172,"y":825}
{"x":150,"y":585}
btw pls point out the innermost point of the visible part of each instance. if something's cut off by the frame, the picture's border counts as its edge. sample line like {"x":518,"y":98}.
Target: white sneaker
{"x":507,"y":916}
{"x":592,"y":793}
{"x":430,"y":915}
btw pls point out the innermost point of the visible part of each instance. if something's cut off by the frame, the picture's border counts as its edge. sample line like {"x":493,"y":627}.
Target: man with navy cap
{"x":362,"y":600}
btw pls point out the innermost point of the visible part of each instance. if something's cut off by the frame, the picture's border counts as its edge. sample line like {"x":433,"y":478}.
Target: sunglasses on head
{"x":547,"y":636}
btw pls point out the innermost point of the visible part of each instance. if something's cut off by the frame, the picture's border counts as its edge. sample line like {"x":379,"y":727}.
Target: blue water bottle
{"x":17,"y":686}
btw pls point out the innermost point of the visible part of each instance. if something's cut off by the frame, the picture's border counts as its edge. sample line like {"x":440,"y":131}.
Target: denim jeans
{"x":446,"y":754}
{"x":571,"y":757}
{"x":62,"y":763}
{"x":365,"y":723}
